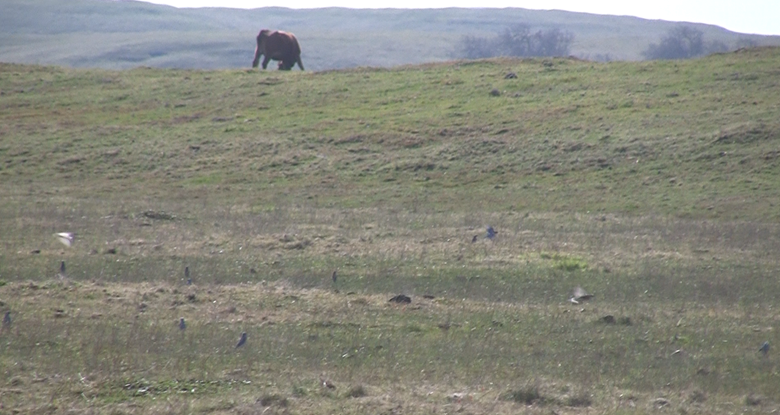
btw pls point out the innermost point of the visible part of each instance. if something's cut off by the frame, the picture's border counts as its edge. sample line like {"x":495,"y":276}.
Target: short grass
{"x":651,"y":185}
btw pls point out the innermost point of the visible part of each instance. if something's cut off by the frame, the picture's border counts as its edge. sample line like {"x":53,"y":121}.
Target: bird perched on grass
{"x":580,"y":295}
{"x":242,"y":340}
{"x":491,"y":233}
{"x":182,"y":324}
{"x":66,"y":238}
{"x":187,"y":275}
{"x":764,"y":348}
{"x":334,"y":276}
{"x":62,"y":270}
{"x":326,"y":383}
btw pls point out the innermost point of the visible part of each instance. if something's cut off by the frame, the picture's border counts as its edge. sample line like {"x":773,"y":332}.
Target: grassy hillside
{"x":127,"y":34}
{"x":651,"y":184}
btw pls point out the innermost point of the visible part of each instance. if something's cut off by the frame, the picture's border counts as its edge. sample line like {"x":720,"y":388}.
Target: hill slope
{"x":301,"y":202}
{"x":126,"y":34}
{"x":690,"y":138}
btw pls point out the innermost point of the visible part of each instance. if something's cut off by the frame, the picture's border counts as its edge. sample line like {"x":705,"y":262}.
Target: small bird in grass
{"x":326,"y":383}
{"x":764,"y":348}
{"x":580,"y":295}
{"x":66,"y":238}
{"x":187,"y":275}
{"x":491,"y":233}
{"x":62,"y":270}
{"x":242,"y":340}
{"x":474,"y":239}
{"x":333,"y":277}
{"x":6,"y":322}
{"x":182,"y":324}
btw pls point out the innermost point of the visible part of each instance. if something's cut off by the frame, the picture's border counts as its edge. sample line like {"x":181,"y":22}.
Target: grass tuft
{"x":357,"y":391}
{"x":528,"y":395}
{"x":752,"y":399}
{"x":273,"y":400}
{"x":581,"y":399}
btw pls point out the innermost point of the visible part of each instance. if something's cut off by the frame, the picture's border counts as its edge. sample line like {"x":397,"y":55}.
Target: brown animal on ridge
{"x":279,"y":46}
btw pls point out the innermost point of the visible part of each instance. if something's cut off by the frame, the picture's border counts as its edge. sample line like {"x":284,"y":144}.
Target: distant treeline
{"x":518,"y":41}
{"x":686,"y":42}
{"x":682,"y":42}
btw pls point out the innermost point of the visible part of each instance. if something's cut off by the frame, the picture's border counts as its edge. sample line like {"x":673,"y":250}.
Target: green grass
{"x":651,"y":185}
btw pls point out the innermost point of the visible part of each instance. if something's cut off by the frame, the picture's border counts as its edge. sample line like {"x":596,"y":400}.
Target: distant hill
{"x":126,"y":34}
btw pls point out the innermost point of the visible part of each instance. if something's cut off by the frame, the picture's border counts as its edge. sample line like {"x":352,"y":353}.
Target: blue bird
{"x":491,"y":233}
{"x":764,"y":348}
{"x":242,"y":340}
{"x":182,"y":324}
{"x":7,"y":319}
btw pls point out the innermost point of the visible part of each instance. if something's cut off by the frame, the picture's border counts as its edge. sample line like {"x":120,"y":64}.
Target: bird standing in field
{"x":182,"y":324}
{"x":187,"y":275}
{"x":491,"y":233}
{"x":474,"y":239}
{"x":62,"y":273}
{"x":242,"y":340}
{"x":6,"y":322}
{"x":334,"y":277}
{"x":764,"y":348}
{"x":66,"y":238}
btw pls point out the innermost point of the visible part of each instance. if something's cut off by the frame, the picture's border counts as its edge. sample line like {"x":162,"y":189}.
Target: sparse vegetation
{"x":651,"y":185}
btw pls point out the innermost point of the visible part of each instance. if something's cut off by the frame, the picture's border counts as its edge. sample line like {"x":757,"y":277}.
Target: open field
{"x":652,"y":185}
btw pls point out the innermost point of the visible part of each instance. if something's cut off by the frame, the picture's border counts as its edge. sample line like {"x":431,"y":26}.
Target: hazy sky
{"x":745,"y":16}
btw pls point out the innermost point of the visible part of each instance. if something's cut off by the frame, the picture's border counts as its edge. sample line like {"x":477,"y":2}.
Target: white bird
{"x":580,"y":295}
{"x":326,"y":383}
{"x":66,"y":238}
